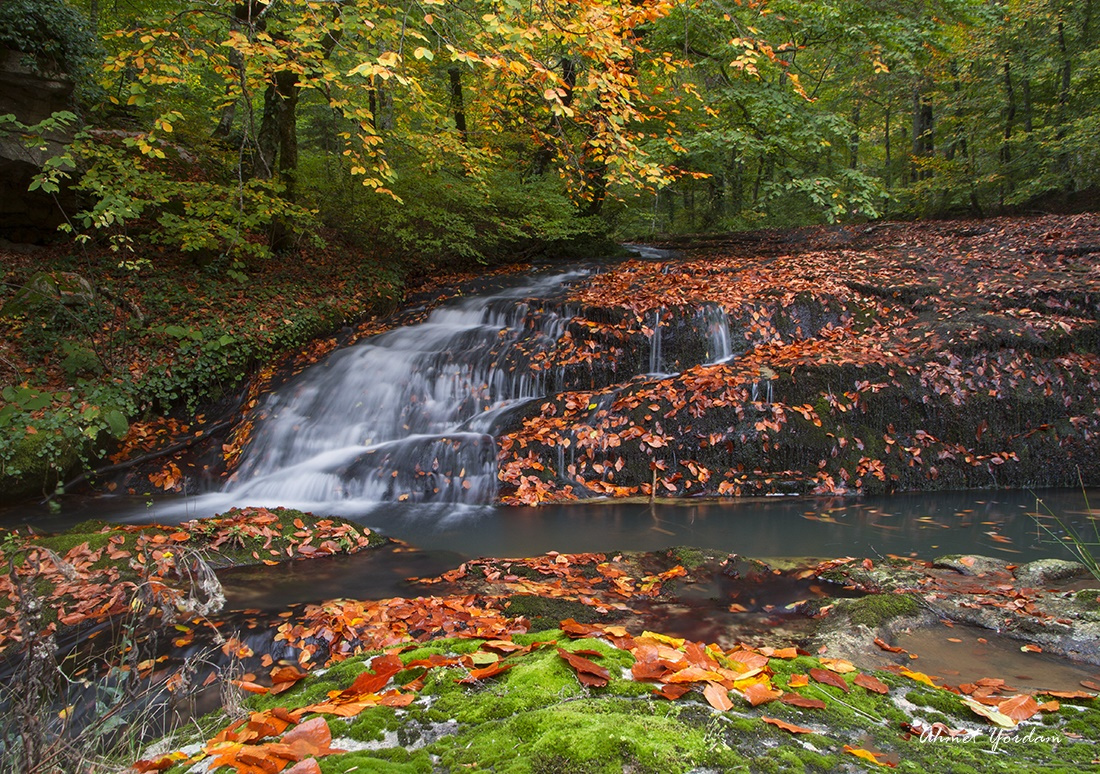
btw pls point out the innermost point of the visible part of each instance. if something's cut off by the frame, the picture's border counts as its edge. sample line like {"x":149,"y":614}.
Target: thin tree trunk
{"x":1063,"y":99}
{"x":888,"y":172}
{"x":456,"y":104}
{"x":853,"y":139}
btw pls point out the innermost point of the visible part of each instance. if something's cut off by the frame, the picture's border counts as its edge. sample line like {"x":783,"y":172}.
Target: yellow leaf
{"x":866,"y":755}
{"x":920,"y":677}
{"x":993,"y":715}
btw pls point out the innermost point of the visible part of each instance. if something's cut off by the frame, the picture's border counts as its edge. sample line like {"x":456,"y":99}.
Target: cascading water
{"x":411,"y":415}
{"x":717,"y":326}
{"x":406,"y":415}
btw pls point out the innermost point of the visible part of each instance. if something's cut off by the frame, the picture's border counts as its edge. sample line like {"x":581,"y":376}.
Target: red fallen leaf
{"x":829,"y":678}
{"x":159,"y":764}
{"x":888,"y":647}
{"x":432,"y":661}
{"x":798,"y":700}
{"x":1092,"y":686}
{"x":576,"y":629}
{"x":718,"y":697}
{"x":488,"y":671}
{"x":1030,"y":648}
{"x":588,"y":672}
{"x":384,"y":666}
{"x":871,"y":683}
{"x":787,"y":726}
{"x":672,"y":691}
{"x":649,"y":670}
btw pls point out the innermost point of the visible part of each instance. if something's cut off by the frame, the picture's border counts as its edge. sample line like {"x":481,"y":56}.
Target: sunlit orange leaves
{"x":311,"y":739}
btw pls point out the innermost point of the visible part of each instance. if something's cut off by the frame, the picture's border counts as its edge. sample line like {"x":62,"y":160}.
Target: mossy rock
{"x":876,"y":610}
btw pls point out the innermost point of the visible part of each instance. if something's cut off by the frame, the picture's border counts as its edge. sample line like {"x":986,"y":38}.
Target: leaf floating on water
{"x":888,"y":647}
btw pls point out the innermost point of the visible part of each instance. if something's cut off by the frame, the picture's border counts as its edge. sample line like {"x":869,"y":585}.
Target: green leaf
{"x":117,"y":423}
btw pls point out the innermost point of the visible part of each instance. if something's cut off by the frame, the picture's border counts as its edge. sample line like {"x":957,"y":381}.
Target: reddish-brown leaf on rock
{"x":871,"y":683}
{"x":829,"y":678}
{"x":790,"y":727}
{"x":588,"y":672}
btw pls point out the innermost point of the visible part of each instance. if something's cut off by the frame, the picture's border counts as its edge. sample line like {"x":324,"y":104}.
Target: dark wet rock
{"x":1045,"y":571}
{"x":742,"y":568}
{"x":1062,"y":621}
{"x":971,"y":565}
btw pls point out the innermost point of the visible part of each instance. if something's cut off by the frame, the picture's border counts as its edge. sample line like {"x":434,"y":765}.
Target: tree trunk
{"x":887,"y":172}
{"x":545,"y":153}
{"x":457,"y":106}
{"x":853,"y":139}
{"x":1009,"y":113}
{"x":1063,"y":101}
{"x":923,"y":141}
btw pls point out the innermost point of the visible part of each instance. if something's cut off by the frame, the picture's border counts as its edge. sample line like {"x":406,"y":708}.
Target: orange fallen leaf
{"x":760,"y":693}
{"x":787,"y":726}
{"x":718,"y":697}
{"x":887,"y":646}
{"x":920,"y":677}
{"x":871,"y":683}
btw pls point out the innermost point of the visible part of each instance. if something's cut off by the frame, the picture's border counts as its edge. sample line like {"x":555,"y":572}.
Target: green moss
{"x":692,"y":558}
{"x":546,"y":613}
{"x":386,"y":761}
{"x":876,"y":609}
{"x":1088,"y":599}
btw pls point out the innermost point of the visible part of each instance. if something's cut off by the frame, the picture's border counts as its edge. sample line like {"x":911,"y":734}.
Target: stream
{"x":398,"y":433}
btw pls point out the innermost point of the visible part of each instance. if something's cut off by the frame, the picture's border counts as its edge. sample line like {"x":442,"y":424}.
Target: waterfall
{"x":407,"y":415}
{"x":716,"y":323}
{"x":655,"y":344}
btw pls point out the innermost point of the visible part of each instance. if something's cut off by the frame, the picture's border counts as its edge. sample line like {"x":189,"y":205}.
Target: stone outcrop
{"x":31,"y":95}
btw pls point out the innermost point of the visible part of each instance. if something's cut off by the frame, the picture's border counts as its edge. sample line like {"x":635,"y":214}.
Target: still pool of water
{"x":994,"y":523}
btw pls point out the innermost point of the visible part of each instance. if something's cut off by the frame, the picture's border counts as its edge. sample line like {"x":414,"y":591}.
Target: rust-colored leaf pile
{"x":896,"y":359}
{"x":151,"y":569}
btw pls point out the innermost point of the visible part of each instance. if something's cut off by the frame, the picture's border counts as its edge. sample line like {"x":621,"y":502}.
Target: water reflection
{"x":995,"y":523}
